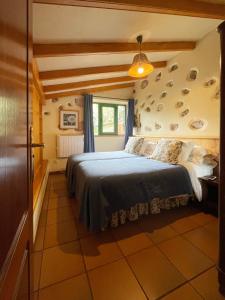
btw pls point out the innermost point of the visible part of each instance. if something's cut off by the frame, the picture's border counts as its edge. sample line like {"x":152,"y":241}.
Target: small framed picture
{"x":69,"y":119}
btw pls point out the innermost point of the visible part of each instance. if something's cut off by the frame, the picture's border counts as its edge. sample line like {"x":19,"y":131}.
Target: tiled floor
{"x":170,"y":256}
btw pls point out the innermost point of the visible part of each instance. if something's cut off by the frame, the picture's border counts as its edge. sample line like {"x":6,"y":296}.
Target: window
{"x":109,"y":119}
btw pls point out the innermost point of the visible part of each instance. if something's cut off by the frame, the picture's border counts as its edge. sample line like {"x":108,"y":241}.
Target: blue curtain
{"x":130,"y":120}
{"x":89,"y":140}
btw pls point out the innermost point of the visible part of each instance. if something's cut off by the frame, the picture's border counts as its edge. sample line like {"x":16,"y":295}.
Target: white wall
{"x":200,"y":101}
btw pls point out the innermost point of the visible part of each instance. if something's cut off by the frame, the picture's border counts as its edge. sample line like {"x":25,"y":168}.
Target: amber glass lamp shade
{"x":141,"y":66}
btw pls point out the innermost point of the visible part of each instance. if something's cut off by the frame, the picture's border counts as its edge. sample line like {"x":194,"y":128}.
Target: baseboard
{"x":39,"y":202}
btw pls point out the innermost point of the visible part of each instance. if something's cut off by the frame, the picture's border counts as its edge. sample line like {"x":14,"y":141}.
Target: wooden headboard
{"x":211,"y":144}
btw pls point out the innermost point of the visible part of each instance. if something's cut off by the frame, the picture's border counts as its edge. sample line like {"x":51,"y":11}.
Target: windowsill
{"x":110,"y":135}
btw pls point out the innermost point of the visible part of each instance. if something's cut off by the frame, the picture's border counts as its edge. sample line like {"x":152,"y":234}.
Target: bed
{"x":112,"y":191}
{"x":74,"y":161}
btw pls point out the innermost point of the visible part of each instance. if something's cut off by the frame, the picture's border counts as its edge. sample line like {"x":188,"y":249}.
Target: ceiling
{"x":69,"y":24}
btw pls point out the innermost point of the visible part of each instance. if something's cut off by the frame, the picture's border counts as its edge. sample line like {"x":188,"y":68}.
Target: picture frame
{"x":69,"y":119}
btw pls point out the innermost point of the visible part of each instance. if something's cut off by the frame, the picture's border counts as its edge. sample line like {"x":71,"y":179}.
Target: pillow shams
{"x":167,"y":151}
{"x":133,"y":145}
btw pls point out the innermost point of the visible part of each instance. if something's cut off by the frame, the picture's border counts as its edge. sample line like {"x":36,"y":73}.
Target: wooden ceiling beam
{"x":192,"y":8}
{"x":48,"y":75}
{"x":55,"y":50}
{"x":81,"y":84}
{"x":89,"y":90}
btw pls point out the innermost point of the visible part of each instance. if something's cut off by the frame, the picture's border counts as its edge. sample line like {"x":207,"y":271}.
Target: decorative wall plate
{"x":192,"y":75}
{"x":159,"y":107}
{"x":170,"y":83}
{"x":158,"y":126}
{"x":144,"y":83}
{"x":173,"y":68}
{"x":197,"y":124}
{"x":179,"y":104}
{"x":217,"y":94}
{"x":163,"y":94}
{"x":60,"y":107}
{"x":69,"y":104}
{"x":54,"y":100}
{"x":174,"y":126}
{"x":149,"y":96}
{"x":185,"y":91}
{"x":143,"y":105}
{"x":158,"y":76}
{"x":147,"y":128}
{"x":148,"y":109}
{"x":210,"y":82}
{"x":184,"y":112}
{"x":152,"y":102}
{"x":47,"y":113}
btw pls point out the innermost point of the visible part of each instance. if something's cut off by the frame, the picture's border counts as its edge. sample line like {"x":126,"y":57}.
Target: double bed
{"x":113,"y":187}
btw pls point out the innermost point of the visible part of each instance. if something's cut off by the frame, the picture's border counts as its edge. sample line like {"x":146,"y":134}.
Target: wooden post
{"x":221,"y":264}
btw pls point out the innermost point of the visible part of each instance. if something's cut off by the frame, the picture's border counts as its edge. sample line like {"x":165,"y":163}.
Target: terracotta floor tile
{"x":59,"y":185}
{"x":131,"y":238}
{"x":36,"y":259}
{"x":154,"y":272}
{"x":82,"y":230}
{"x":35,"y":296}
{"x":203,"y":218}
{"x":115,"y":281}
{"x":205,"y":241}
{"x":39,"y":241}
{"x":161,"y":234}
{"x":187,"y":258}
{"x":76,"y":288}
{"x":184,"y":224}
{"x":207,"y":285}
{"x":58,"y":193}
{"x":60,"y":263}
{"x":185,"y":292}
{"x":60,"y":233}
{"x":43,"y":218}
{"x":60,"y":214}
{"x":213,"y":228}
{"x":99,"y":249}
{"x":58,"y":202}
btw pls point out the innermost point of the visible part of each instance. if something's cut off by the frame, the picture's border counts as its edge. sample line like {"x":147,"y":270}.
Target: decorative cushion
{"x":134,"y":145}
{"x":210,"y":160}
{"x":147,"y":148}
{"x":186,"y":150}
{"x":167,"y":151}
{"x":197,"y":155}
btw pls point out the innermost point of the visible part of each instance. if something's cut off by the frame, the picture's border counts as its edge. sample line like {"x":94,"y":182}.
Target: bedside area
{"x":210,"y":194}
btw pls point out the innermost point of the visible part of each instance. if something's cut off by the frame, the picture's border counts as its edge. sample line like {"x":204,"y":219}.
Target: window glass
{"x":108,"y":120}
{"x":95,"y":118}
{"x":121,"y":119}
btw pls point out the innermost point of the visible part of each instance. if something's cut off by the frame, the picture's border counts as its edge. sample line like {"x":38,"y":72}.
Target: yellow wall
{"x":200,"y":102}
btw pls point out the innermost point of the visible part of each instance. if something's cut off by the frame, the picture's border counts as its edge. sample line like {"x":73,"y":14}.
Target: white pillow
{"x":186,"y":150}
{"x":197,"y":155}
{"x":134,"y":145}
{"x":147,"y":148}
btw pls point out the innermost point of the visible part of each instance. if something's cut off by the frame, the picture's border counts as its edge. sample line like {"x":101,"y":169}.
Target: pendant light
{"x":141,"y":66}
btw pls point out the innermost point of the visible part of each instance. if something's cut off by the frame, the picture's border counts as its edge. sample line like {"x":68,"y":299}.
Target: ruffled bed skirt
{"x":153,"y":207}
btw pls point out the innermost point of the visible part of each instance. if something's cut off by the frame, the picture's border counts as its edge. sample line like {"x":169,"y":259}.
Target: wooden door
{"x":15,"y":200}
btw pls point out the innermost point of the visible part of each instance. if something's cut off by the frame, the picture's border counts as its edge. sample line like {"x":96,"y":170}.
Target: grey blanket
{"x":74,"y":160}
{"x":106,"y":186}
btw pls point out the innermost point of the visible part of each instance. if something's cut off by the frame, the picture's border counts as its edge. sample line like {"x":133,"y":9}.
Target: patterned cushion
{"x":147,"y":148}
{"x":134,"y":145}
{"x":167,"y":151}
{"x":197,"y":155}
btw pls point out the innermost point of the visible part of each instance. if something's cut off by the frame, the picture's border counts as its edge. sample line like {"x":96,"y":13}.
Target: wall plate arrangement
{"x":142,"y":105}
{"x":217,"y":94}
{"x":148,"y":128}
{"x":158,"y":76}
{"x":144,"y":84}
{"x":197,"y":124}
{"x":60,"y":107}
{"x":69,"y":104}
{"x":152,"y":102}
{"x":148,"y":109}
{"x":163,"y":94}
{"x":170,"y":83}
{"x":173,"y":68}
{"x":210,"y":82}
{"x":47,"y":113}
{"x":54,"y":100}
{"x":192,"y":75}
{"x":158,"y":126}
{"x":149,"y":96}
{"x":185,"y":91}
{"x":185,"y":112}
{"x":135,"y":102}
{"x":134,"y":91}
{"x":159,"y":107}
{"x":174,"y":126}
{"x":179,"y":104}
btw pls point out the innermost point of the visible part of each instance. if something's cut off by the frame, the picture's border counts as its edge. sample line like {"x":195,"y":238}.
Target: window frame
{"x":115,"y":106}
